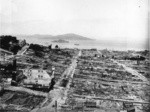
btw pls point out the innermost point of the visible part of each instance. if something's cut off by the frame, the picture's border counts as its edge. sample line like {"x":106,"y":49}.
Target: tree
{"x":15,"y":48}
{"x":6,"y":40}
{"x":36,"y":47}
{"x":50,"y":47}
{"x":56,"y":47}
{"x":1,"y":77}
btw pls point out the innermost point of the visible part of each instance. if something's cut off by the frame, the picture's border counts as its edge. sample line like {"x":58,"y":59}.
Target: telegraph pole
{"x":56,"y":106}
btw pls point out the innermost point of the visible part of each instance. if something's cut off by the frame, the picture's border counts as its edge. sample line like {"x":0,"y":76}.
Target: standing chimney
{"x":14,"y":72}
{"x":14,"y":65}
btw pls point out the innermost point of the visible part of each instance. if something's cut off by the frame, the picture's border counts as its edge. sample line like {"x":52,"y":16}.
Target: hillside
{"x":72,"y":36}
{"x":69,"y":36}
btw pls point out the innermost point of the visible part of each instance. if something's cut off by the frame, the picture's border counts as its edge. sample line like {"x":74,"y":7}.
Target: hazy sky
{"x":99,"y":19}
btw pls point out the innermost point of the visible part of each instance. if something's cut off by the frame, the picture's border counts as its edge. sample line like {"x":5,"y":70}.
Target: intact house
{"x":37,"y":78}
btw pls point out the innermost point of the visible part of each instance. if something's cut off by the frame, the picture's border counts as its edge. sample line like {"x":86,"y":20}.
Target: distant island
{"x":76,"y":44}
{"x":66,"y":37}
{"x":60,"y":41}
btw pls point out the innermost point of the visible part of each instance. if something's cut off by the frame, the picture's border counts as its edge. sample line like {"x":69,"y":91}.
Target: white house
{"x":37,"y":77}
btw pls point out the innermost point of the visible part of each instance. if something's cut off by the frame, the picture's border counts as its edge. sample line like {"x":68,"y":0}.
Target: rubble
{"x":91,"y":80}
{"x":19,"y":99}
{"x":102,"y":77}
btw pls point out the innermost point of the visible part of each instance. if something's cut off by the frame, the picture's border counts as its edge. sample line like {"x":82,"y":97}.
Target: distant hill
{"x":72,"y":36}
{"x":69,"y":36}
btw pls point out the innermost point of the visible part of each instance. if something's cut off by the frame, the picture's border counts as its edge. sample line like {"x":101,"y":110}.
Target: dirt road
{"x":132,"y":71}
{"x":59,"y":93}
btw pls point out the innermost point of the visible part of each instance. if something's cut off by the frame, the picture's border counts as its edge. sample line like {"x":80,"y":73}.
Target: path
{"x":133,"y":72}
{"x":110,"y":99}
{"x":130,"y":70}
{"x":23,"y":50}
{"x":3,"y":50}
{"x":22,"y":89}
{"x":59,"y":93}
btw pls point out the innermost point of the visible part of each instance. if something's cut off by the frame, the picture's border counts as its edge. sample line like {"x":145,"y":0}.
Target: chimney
{"x":14,"y":72}
{"x":14,"y":65}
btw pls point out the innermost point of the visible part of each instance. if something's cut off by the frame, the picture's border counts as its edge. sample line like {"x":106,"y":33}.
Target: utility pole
{"x":83,"y":107}
{"x":4,"y":57}
{"x":55,"y":106}
{"x":53,"y":70}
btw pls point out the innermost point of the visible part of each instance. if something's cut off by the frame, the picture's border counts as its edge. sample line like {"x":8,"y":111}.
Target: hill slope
{"x":69,"y":36}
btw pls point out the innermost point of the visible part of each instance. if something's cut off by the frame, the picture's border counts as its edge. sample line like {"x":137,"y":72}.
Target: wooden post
{"x":55,"y":106}
{"x":53,"y":70}
{"x":83,"y":107}
{"x":4,"y":57}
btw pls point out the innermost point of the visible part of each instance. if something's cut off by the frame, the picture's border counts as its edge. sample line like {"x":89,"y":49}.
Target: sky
{"x":117,"y":20}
